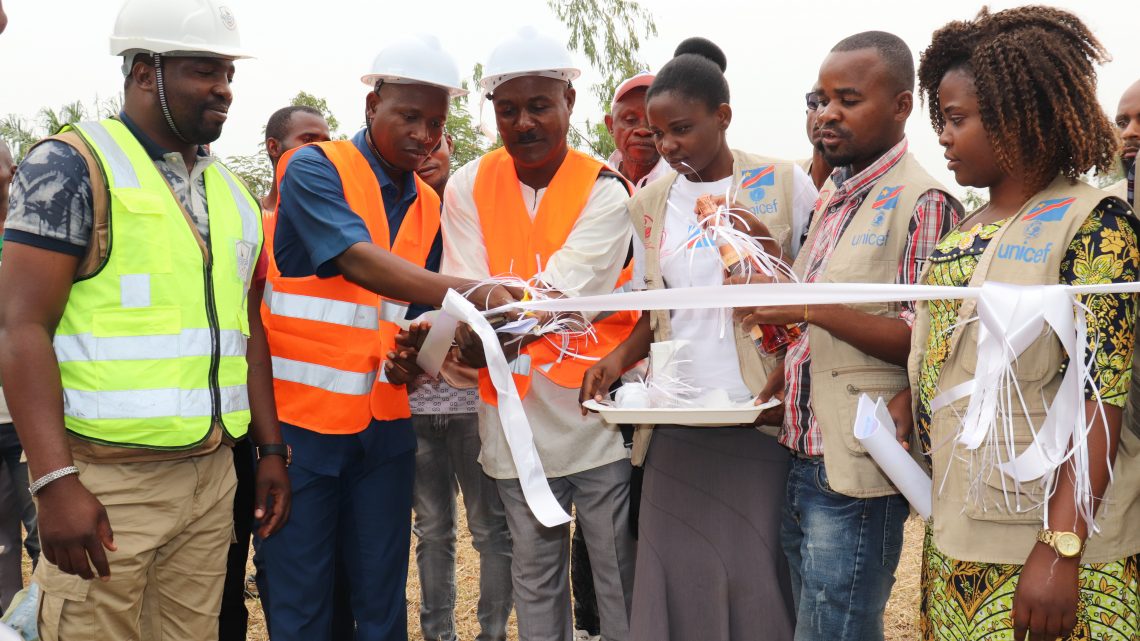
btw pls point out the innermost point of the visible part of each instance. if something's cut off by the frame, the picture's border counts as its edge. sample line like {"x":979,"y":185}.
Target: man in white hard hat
{"x":537,"y":198}
{"x":124,"y":316}
{"x":353,"y":231}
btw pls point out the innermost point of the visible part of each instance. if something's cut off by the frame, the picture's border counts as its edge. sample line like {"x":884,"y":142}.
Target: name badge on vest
{"x":753,"y":183}
{"x":243,"y":254}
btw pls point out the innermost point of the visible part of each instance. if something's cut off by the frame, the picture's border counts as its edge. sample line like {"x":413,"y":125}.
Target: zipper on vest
{"x":215,"y":343}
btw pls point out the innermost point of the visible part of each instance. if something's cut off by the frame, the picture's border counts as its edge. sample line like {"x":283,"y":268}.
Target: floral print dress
{"x":967,"y":600}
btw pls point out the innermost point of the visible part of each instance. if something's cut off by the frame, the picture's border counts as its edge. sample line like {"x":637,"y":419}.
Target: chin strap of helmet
{"x":372,"y":143}
{"x":162,"y":96}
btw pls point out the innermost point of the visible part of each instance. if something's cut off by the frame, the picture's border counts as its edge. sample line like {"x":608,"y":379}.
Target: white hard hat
{"x":527,"y":53}
{"x":418,"y":60}
{"x":204,"y":27}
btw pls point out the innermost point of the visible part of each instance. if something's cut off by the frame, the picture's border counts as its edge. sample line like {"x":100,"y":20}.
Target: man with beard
{"x":353,"y":230}
{"x":878,"y":217}
{"x":547,"y":213}
{"x":815,"y":165}
{"x":124,"y":312}
{"x":1128,"y":120}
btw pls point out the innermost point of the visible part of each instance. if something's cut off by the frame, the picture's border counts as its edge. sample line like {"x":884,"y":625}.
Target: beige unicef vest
{"x":1027,"y":251}
{"x":1120,"y":190}
{"x":764,"y":186}
{"x":869,"y":251}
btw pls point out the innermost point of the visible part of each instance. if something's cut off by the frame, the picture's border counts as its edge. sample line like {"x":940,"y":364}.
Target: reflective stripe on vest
{"x":326,"y":378}
{"x":328,"y":336}
{"x":321,"y":310}
{"x":151,"y":348}
{"x":153,"y":403}
{"x":189,"y":342}
{"x":516,"y":242}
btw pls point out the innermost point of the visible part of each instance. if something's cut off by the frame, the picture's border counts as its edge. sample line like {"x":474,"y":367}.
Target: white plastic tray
{"x":699,"y":417}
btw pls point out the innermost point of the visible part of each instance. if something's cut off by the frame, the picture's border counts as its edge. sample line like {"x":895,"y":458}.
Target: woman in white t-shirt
{"x":709,"y":562}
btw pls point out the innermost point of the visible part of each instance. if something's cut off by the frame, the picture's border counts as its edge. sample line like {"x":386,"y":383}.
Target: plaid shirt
{"x":934,"y":215}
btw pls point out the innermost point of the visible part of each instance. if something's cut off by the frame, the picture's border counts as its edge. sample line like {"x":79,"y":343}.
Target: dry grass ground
{"x":900,"y":620}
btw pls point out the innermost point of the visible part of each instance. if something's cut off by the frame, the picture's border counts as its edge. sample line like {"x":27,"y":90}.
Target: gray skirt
{"x":709,"y":562}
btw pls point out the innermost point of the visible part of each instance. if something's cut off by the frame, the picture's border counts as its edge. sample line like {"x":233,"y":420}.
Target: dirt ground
{"x":900,"y":619}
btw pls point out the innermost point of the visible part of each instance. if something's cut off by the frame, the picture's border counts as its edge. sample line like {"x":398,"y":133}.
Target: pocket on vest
{"x":996,"y":497}
{"x":132,"y":347}
{"x":148,"y":250}
{"x":850,"y":383}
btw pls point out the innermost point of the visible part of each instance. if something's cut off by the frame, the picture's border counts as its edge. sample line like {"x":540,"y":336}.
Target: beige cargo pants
{"x":172,"y":523}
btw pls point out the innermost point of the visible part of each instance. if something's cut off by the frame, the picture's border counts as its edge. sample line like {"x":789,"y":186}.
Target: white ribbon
{"x":520,"y":439}
{"x":1011,"y":318}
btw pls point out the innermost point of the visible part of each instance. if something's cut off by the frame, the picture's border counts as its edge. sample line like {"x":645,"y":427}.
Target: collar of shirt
{"x":847,"y":183}
{"x":152,"y":148}
{"x":614,"y":161}
{"x":393,"y":197}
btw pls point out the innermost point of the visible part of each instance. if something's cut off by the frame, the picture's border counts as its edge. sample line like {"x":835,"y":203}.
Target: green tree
{"x":255,"y":169}
{"x":21,"y":134}
{"x":469,"y":141}
{"x":973,"y":200}
{"x":608,"y":33}
{"x":306,"y":99}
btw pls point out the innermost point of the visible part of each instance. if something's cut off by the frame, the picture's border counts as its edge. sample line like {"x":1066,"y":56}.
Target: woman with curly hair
{"x":1012,"y":96}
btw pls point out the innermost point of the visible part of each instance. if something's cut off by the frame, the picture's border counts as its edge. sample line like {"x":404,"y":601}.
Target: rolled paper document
{"x":437,"y":343}
{"x":876,"y":431}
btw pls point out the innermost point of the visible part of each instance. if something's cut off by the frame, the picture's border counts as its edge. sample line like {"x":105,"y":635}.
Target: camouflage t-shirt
{"x":51,"y":204}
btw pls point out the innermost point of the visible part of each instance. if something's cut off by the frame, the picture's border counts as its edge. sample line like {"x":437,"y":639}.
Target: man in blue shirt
{"x":353,"y":483}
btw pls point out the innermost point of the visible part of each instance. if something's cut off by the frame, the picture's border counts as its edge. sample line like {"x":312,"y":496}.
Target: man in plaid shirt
{"x":843,"y":537}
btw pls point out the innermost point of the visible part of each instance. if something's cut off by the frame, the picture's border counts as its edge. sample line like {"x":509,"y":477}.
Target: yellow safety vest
{"x":151,"y":346}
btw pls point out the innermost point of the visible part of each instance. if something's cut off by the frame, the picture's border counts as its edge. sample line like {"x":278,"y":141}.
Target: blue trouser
{"x":842,"y":552}
{"x":364,"y":512}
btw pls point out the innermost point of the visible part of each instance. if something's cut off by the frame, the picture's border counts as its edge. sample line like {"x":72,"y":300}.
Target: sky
{"x":55,"y":55}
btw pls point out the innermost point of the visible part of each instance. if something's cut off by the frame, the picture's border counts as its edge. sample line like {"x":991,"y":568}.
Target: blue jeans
{"x":842,"y":552}
{"x":447,"y":452}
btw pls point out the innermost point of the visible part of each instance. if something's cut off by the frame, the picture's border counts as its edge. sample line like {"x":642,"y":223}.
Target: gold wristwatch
{"x":1065,"y":544}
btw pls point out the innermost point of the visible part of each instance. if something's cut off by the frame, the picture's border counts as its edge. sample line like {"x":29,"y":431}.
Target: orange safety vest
{"x":327,"y":336}
{"x":519,"y":246}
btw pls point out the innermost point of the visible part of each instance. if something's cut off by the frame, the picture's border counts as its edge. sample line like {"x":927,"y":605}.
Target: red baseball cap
{"x":641,"y":79}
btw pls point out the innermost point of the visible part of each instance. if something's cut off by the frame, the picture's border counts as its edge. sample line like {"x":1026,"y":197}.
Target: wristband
{"x":276,"y":449}
{"x":48,"y":478}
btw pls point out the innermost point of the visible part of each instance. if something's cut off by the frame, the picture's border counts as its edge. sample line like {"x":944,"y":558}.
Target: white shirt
{"x":659,"y":170}
{"x":587,"y":264}
{"x":690,"y":260}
